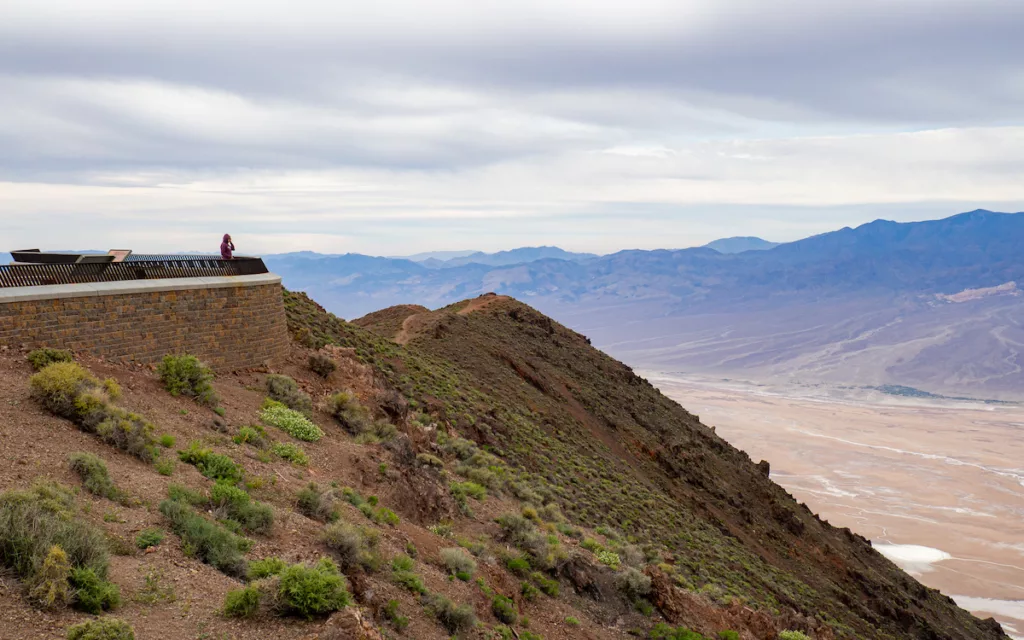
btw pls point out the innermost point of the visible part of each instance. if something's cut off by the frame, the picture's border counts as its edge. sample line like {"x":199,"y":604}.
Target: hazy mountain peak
{"x":739,"y":244}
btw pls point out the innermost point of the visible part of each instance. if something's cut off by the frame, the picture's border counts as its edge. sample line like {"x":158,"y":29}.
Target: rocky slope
{"x":585,"y":503}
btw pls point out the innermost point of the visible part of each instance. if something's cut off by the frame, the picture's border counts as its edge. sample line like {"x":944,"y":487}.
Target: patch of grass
{"x":793,"y":635}
{"x":529,"y":592}
{"x":517,"y":565}
{"x":164,"y":466}
{"x":210,"y":542}
{"x":662,"y":631}
{"x":242,"y":603}
{"x":290,"y":421}
{"x":728,"y":635}
{"x":102,"y":629}
{"x":215,"y":466}
{"x":42,"y":358}
{"x":291,"y":452}
{"x":354,"y":546}
{"x":504,"y":609}
{"x":402,"y":573}
{"x":572,"y":622}
{"x":285,"y":390}
{"x":311,"y":591}
{"x":185,"y":375}
{"x":167,"y":441}
{"x":322,"y":365}
{"x":346,"y":409}
{"x":68,"y":390}
{"x":95,"y":477}
{"x":456,"y":618}
{"x":149,"y":538}
{"x":186,"y":495}
{"x":458,"y":563}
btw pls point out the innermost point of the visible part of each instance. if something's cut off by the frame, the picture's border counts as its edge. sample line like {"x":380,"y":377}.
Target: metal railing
{"x":140,"y":267}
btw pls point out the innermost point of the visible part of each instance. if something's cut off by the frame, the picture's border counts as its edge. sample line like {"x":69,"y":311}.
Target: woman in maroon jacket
{"x":227,"y":247}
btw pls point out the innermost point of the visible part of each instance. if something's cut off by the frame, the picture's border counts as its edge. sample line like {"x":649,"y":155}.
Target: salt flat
{"x":937,"y":486}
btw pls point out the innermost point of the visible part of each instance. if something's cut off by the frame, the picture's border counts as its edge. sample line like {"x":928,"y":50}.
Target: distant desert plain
{"x":937,"y":486}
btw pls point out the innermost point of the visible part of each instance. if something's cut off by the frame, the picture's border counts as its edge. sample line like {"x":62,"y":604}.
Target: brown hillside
{"x":493,"y":413}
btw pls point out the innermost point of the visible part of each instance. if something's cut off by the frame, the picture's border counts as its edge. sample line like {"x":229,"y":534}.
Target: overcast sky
{"x":399,"y":126}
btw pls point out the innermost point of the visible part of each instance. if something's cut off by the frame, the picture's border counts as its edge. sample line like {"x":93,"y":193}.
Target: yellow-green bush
{"x":102,"y":629}
{"x":42,"y":358}
{"x":185,"y":375}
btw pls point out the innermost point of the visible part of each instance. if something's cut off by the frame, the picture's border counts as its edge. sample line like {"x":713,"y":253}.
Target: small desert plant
{"x":242,"y":603}
{"x":572,"y":622}
{"x":547,"y":585}
{"x":354,"y":546}
{"x":318,"y":503}
{"x":50,"y":587}
{"x":793,"y":635}
{"x":609,"y":558}
{"x":231,"y":502}
{"x":212,"y":465}
{"x":186,"y":375}
{"x":529,"y":592}
{"x":290,"y":421}
{"x":167,"y":441}
{"x":206,"y":540}
{"x":164,"y":466}
{"x":403,"y":574}
{"x":101,"y":629}
{"x":291,"y":452}
{"x":633,"y":583}
{"x":354,"y":417}
{"x":391,"y":614}
{"x":504,"y":609}
{"x":253,"y":435}
{"x":286,"y":391}
{"x":662,"y":631}
{"x":149,"y":538}
{"x":42,"y":358}
{"x":186,"y":495}
{"x":259,"y":569}
{"x":728,"y":635}
{"x":517,"y":565}
{"x":312,"y":591}
{"x":455,"y":618}
{"x":458,"y":563}
{"x":94,"y":474}
{"x":322,"y":365}
{"x":69,"y":391}
{"x":93,"y":593}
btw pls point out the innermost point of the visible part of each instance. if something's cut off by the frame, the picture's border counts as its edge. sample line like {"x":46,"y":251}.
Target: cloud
{"x":493,"y":122}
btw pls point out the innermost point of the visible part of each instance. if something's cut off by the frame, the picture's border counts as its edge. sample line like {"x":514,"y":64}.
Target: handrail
{"x":140,"y":268}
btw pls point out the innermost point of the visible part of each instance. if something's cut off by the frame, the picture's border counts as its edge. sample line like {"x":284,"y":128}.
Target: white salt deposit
{"x":1000,"y":608}
{"x":912,"y":558}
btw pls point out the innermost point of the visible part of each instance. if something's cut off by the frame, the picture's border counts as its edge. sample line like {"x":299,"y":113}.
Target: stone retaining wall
{"x":229,"y":322}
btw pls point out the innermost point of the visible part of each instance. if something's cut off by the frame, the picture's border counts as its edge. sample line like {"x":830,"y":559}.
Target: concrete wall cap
{"x":59,"y":291}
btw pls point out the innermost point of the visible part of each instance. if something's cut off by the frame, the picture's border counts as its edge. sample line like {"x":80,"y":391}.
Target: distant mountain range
{"x":854,"y":306}
{"x":739,"y":244}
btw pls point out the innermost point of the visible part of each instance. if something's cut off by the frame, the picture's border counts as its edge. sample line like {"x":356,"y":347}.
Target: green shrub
{"x":291,"y":452}
{"x":609,"y":558}
{"x":427,"y":460}
{"x":286,"y":391}
{"x":149,"y":538}
{"x":291,"y":422}
{"x":93,"y":594}
{"x":312,"y":591}
{"x":354,"y":546}
{"x":391,"y":614}
{"x":381,"y":515}
{"x":728,"y":635}
{"x":259,"y":569}
{"x":42,"y":358}
{"x":662,"y":631}
{"x":231,"y":502}
{"x":572,"y":622}
{"x":102,"y":629}
{"x":321,"y":364}
{"x":212,"y":465}
{"x":504,"y":609}
{"x":633,"y":583}
{"x":529,"y":592}
{"x":242,"y":603}
{"x":591,"y":545}
{"x":471,"y":489}
{"x":167,"y":441}
{"x":70,"y":391}
{"x":517,"y":565}
{"x":455,"y":618}
{"x":211,"y":543}
{"x":403,"y":574}
{"x":95,"y":477}
{"x":43,"y":543}
{"x":346,"y":409}
{"x":186,"y":495}
{"x":186,"y":375}
{"x":458,"y":562}
{"x":164,"y":466}
{"x":793,"y":635}
{"x":253,"y":435}
{"x":318,"y":503}
{"x":515,"y":529}
{"x":547,"y":585}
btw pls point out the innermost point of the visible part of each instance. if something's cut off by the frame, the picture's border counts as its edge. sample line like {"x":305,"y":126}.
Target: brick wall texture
{"x":229,"y":328}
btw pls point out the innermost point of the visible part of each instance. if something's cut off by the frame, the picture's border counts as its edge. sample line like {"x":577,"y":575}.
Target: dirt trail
{"x":409,"y":327}
{"x":481,"y":303}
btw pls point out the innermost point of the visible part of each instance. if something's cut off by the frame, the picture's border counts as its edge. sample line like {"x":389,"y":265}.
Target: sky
{"x":396,"y":126}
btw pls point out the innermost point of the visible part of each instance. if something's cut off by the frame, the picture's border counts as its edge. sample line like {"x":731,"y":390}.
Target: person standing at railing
{"x":227,"y":248}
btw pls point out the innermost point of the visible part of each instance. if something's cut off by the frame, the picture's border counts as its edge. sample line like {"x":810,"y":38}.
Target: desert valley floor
{"x":937,"y":486}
